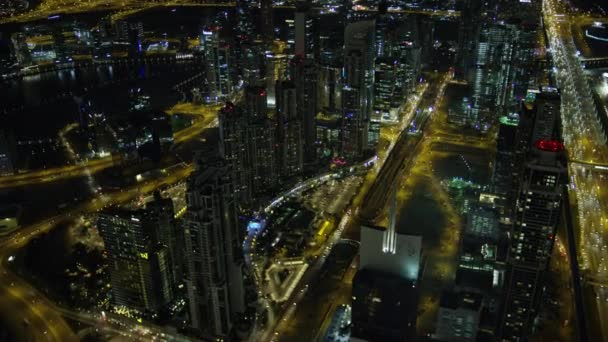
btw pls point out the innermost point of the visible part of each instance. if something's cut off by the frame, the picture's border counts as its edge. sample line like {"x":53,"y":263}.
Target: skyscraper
{"x":213,"y":252}
{"x":547,"y":114}
{"x":536,"y":219}
{"x":306,"y":91}
{"x":289,"y":130}
{"x":357,"y":93}
{"x":247,"y":143}
{"x":161,"y":213}
{"x":468,"y":31}
{"x":304,"y":30}
{"x":141,"y":267}
{"x":506,"y":147}
{"x":459,"y":316}
{"x":266,"y":21}
{"x":233,"y":148}
{"x":408,"y":53}
{"x":217,"y":85}
{"x":384,"y":86}
{"x":260,"y":140}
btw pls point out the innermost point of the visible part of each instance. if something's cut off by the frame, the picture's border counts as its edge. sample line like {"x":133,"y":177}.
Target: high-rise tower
{"x":357,"y":93}
{"x":289,"y":130}
{"x":213,"y":252}
{"x":139,"y":246}
{"x":538,"y":211}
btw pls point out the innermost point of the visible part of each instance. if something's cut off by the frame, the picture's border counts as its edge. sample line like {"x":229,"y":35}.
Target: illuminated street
{"x":585,"y":143}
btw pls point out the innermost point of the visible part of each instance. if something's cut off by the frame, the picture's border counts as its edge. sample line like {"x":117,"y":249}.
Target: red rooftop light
{"x":229,"y":106}
{"x":549,"y":145}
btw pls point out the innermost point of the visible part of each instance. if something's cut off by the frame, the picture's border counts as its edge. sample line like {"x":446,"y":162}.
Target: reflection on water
{"x":47,"y":98}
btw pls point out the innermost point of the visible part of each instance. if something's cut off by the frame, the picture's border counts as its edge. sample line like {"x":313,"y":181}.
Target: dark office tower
{"x":427,"y":33}
{"x":289,"y":130}
{"x":256,"y":106}
{"x":384,"y":307}
{"x":213,"y":239}
{"x":468,"y":31}
{"x":160,"y":213}
{"x":357,"y":93}
{"x":547,"y":105}
{"x":382,"y":30}
{"x":306,"y":93}
{"x":59,"y":44}
{"x":506,"y":149}
{"x":304,"y":30}
{"x":331,"y":40}
{"x":266,"y":21}
{"x":536,"y":219}
{"x":20,"y":49}
{"x":141,"y":269}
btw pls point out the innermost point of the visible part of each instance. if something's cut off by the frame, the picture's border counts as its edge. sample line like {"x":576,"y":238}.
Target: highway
{"x":585,"y":142}
{"x":79,"y":169}
{"x":125,"y":8}
{"x":203,"y":117}
{"x":51,"y":8}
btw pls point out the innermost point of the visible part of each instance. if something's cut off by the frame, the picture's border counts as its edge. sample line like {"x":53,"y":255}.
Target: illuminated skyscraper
{"x":213,"y":254}
{"x":138,"y":244}
{"x":536,"y":219}
{"x":406,"y":49}
{"x":233,"y":148}
{"x":247,"y":143}
{"x":384,"y":86}
{"x":217,"y":85}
